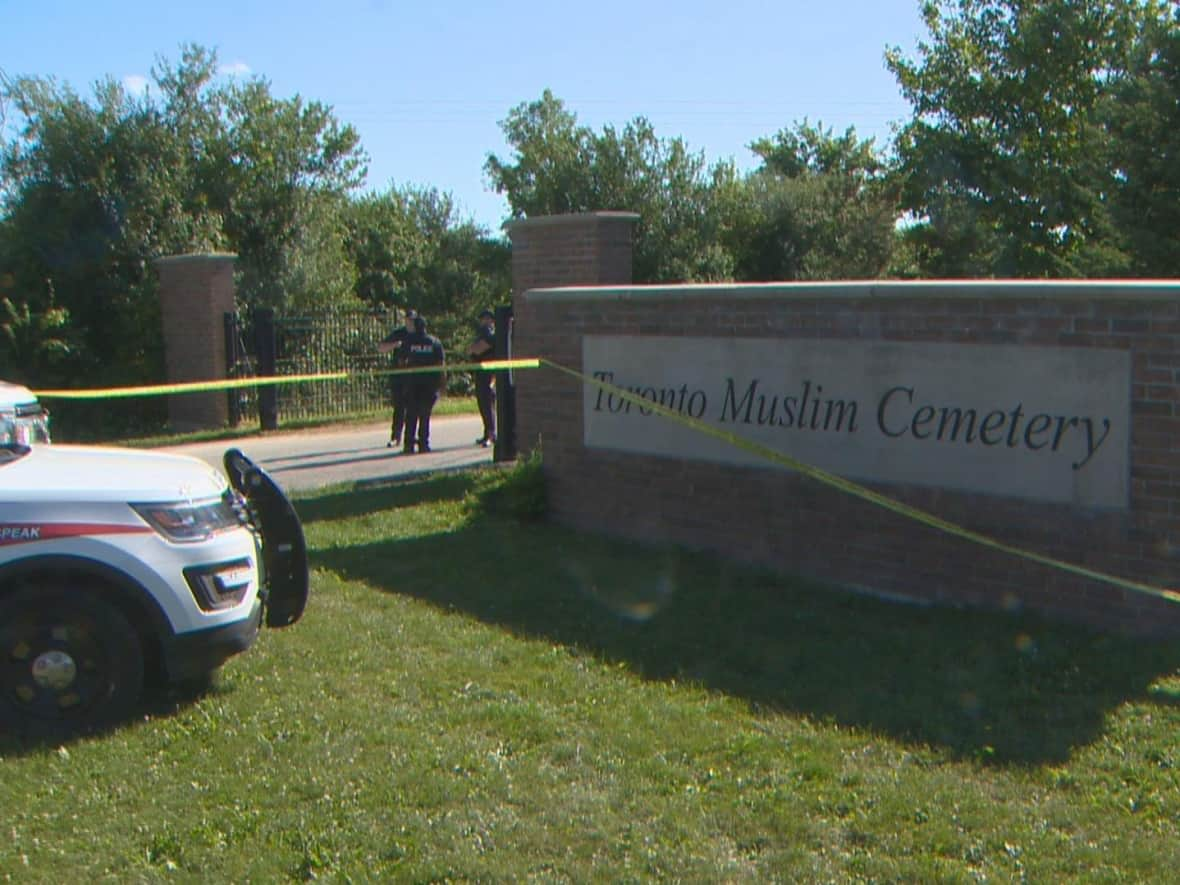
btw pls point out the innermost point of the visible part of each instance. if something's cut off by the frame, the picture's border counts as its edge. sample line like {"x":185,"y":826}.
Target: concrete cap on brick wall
{"x":169,"y":260}
{"x":1146,"y":290}
{"x":571,"y":218}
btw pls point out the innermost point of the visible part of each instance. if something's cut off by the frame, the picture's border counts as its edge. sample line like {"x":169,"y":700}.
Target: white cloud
{"x":235,"y":69}
{"x":136,"y":84}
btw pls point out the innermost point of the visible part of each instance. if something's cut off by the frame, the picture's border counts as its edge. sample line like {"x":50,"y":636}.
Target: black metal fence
{"x":331,"y":341}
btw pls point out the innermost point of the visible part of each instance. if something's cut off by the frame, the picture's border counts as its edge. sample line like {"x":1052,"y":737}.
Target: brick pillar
{"x":196,"y":291}
{"x":591,"y":248}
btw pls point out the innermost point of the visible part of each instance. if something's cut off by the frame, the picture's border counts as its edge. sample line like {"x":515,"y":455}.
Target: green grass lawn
{"x":470,"y":697}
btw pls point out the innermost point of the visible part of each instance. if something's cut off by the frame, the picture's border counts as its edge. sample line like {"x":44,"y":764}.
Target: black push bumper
{"x":284,"y":550}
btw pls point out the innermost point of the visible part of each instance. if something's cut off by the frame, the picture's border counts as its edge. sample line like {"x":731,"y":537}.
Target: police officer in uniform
{"x":394,"y":343}
{"x":422,"y":350}
{"x":482,"y":349}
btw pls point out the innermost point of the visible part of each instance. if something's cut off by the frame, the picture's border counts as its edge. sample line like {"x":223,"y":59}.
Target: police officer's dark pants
{"x":420,"y":401}
{"x":398,"y":395}
{"x":485,"y":395}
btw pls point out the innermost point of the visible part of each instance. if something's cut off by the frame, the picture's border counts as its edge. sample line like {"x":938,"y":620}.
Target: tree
{"x":998,"y":162}
{"x":32,"y":340}
{"x":93,"y":191}
{"x":559,"y":166}
{"x":552,"y":161}
{"x":285,"y":168}
{"x":1142,"y":113}
{"x":411,"y":250}
{"x":383,"y":242}
{"x":813,"y":150}
{"x":89,"y":201}
{"x":819,"y":207}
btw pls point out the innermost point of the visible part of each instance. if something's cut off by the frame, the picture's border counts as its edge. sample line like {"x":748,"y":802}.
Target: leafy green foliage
{"x":559,"y":166}
{"x":94,"y":191}
{"x":547,"y":175}
{"x":820,"y":207}
{"x":1006,"y":163}
{"x":33,"y":340}
{"x":411,"y":250}
{"x":813,"y":150}
{"x":289,"y":165}
{"x":1142,"y":112}
{"x":86,"y":212}
{"x":519,"y":492}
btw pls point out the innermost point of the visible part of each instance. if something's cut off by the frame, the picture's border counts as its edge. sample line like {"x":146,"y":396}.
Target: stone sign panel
{"x":1040,"y":423}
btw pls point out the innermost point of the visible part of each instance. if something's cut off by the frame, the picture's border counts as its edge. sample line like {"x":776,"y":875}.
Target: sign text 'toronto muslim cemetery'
{"x":1040,"y":423}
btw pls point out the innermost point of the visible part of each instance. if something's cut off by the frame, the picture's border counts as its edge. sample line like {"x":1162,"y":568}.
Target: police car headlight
{"x":189,"y":521}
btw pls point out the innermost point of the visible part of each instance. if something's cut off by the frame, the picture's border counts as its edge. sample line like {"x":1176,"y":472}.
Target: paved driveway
{"x":355,"y":454}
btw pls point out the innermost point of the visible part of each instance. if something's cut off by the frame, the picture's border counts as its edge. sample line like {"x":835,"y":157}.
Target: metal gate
{"x":266,"y":343}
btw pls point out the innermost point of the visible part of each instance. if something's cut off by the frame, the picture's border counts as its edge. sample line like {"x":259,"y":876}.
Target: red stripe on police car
{"x":27,"y":532}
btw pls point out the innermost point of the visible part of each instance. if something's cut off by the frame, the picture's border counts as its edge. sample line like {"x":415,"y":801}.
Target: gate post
{"x":232,"y":356}
{"x":195,"y":291}
{"x":266,"y":346}
{"x":505,"y":447}
{"x":587,"y":249}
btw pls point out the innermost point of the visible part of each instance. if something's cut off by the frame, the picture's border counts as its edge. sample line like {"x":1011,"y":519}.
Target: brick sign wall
{"x":1044,"y":415}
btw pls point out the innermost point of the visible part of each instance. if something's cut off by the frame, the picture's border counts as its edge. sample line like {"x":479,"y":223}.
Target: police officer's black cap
{"x":411,"y":314}
{"x":486,"y":313}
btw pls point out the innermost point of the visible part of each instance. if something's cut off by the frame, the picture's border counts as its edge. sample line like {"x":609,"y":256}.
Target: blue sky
{"x":426,"y":83}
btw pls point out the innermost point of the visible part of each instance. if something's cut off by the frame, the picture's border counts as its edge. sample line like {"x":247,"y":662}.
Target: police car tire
{"x":106,"y":651}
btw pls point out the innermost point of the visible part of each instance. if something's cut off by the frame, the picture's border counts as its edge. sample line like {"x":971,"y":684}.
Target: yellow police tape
{"x":765,"y":452}
{"x":859,"y":491}
{"x":274,"y":380}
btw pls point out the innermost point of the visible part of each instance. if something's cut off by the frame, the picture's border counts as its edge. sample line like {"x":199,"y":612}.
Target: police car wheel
{"x":69,"y":663}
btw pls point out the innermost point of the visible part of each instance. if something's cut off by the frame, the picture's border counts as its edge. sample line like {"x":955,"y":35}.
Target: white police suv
{"x":117,"y":565}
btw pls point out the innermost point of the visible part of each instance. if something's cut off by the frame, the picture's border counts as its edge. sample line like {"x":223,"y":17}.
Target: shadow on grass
{"x":158,"y":702}
{"x":414,"y":492}
{"x":986,"y":686}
